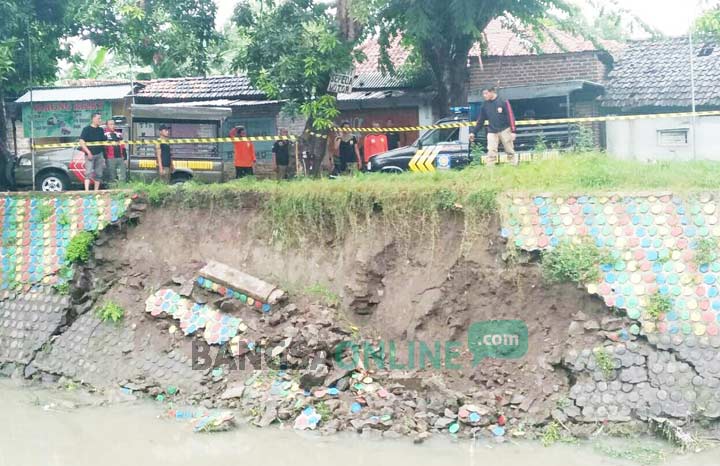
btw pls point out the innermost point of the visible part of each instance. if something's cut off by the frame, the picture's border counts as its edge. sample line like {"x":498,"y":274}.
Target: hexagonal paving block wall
{"x":654,"y":242}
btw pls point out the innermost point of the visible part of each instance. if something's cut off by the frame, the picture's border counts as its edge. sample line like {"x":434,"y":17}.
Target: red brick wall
{"x":537,"y":69}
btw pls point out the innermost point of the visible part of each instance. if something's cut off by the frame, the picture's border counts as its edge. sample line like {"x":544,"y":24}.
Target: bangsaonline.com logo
{"x":496,"y":339}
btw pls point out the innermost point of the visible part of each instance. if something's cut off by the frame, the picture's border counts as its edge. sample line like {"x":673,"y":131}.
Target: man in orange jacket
{"x":244,"y":153}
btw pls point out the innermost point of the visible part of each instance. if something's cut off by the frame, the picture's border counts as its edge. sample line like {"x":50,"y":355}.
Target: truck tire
{"x":52,"y":181}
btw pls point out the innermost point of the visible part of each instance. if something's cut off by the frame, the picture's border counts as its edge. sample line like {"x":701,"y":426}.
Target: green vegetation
{"x":64,"y":220}
{"x":78,"y":250}
{"x":414,"y":203}
{"x":574,"y":262}
{"x":323,"y":410}
{"x":640,"y":454}
{"x":604,"y":362}
{"x":324,"y":294}
{"x":45,"y":211}
{"x":62,"y":288}
{"x":553,"y":433}
{"x":659,"y":304}
{"x":706,"y":251}
{"x":110,"y":311}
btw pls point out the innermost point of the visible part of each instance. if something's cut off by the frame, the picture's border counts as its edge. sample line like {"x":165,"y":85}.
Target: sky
{"x":671,"y":17}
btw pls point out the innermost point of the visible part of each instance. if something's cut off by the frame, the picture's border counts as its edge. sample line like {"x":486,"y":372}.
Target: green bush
{"x":78,"y":250}
{"x":706,"y":251}
{"x":604,"y":362}
{"x":659,"y":304}
{"x":110,"y":311}
{"x":574,"y":262}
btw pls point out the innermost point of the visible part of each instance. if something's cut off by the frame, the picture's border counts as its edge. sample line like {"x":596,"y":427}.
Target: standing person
{"x":393,"y":139}
{"x":375,"y":143}
{"x":94,"y":161}
{"x":281,"y":155}
{"x":346,"y":150}
{"x":115,"y":155}
{"x":501,"y":125}
{"x":244,"y":153}
{"x":163,"y":155}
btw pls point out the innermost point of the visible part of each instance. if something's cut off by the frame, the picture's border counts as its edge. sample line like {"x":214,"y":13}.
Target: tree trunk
{"x":315,"y":147}
{"x":450,"y":74}
{"x":349,"y":28}
{"x":5,"y":155}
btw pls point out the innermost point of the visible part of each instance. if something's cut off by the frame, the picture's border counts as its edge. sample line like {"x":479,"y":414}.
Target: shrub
{"x":110,"y":311}
{"x":604,"y":362}
{"x":78,"y":250}
{"x":574,"y":262}
{"x":659,"y":304}
{"x":706,"y":251}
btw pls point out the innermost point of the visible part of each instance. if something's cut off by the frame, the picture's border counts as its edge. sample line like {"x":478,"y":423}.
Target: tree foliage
{"x":292,"y":49}
{"x":31,"y":27}
{"x":443,"y":32}
{"x":170,"y":36}
{"x":709,"y":22}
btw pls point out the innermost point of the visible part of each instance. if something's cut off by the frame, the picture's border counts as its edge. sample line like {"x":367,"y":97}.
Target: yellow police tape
{"x":455,"y":124}
{"x":153,"y":142}
{"x":460,"y":124}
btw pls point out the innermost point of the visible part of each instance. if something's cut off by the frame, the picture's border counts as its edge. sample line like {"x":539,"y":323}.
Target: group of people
{"x":244,"y":154}
{"x":346,"y":152}
{"x":110,"y":162}
{"x":103,"y":162}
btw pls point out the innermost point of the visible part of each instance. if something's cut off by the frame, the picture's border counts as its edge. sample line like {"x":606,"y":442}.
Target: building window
{"x":673,"y":137}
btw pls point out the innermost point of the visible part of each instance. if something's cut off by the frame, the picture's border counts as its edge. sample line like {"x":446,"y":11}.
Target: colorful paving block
{"x":653,"y":241}
{"x":218,"y":328}
{"x":233,"y":294}
{"x":37,"y":230}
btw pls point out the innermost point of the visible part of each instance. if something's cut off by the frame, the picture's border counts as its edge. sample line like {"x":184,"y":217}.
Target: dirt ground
{"x":389,"y":291}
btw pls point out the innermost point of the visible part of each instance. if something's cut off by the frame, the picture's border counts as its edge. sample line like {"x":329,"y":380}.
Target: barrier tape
{"x":152,"y":142}
{"x":460,"y":124}
{"x":456,"y":124}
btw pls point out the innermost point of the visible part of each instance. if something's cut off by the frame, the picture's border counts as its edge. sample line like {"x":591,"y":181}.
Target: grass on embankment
{"x":413,"y":202}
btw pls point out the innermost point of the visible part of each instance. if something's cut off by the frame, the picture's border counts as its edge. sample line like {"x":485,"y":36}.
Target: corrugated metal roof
{"x":73,"y":94}
{"x":378,"y":81}
{"x":376,"y":95}
{"x":207,"y":88}
{"x":224,"y":103}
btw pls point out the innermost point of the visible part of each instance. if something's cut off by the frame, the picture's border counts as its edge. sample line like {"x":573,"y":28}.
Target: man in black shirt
{"x":94,"y":160}
{"x":347,"y":151}
{"x":501,"y":125}
{"x":163,"y":155}
{"x":281,"y":155}
{"x":393,"y":139}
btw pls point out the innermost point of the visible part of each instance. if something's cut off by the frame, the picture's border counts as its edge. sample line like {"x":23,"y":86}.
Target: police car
{"x":438,"y":149}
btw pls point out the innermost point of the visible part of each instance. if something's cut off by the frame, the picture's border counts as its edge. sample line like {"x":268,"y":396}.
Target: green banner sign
{"x":62,"y":119}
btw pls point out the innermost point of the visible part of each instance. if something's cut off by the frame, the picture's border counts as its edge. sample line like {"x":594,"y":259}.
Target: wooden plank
{"x":240,"y":281}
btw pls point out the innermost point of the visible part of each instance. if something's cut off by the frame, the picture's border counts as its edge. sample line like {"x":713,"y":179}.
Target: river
{"x":41,"y":427}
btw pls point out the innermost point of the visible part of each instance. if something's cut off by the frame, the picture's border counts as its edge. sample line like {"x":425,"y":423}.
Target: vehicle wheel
{"x":178,"y":179}
{"x":52,"y":182}
{"x":392,"y":170}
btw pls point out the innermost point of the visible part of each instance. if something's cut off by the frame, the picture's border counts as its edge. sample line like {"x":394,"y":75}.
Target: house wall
{"x":639,"y":139}
{"x":530,"y":69}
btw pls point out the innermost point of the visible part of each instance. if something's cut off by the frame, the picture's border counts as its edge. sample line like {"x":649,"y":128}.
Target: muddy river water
{"x":40,"y":427}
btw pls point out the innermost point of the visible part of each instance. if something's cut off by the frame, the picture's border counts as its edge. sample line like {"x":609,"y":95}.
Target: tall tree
{"x":29,"y":31}
{"x":441,"y":32}
{"x":171,"y":36}
{"x":293,"y":47}
{"x":709,"y":22}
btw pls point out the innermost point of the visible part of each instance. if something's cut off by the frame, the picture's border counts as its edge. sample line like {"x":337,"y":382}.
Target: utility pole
{"x":692,"y":78}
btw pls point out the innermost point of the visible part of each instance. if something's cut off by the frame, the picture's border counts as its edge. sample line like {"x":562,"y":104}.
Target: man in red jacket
{"x":115,"y":156}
